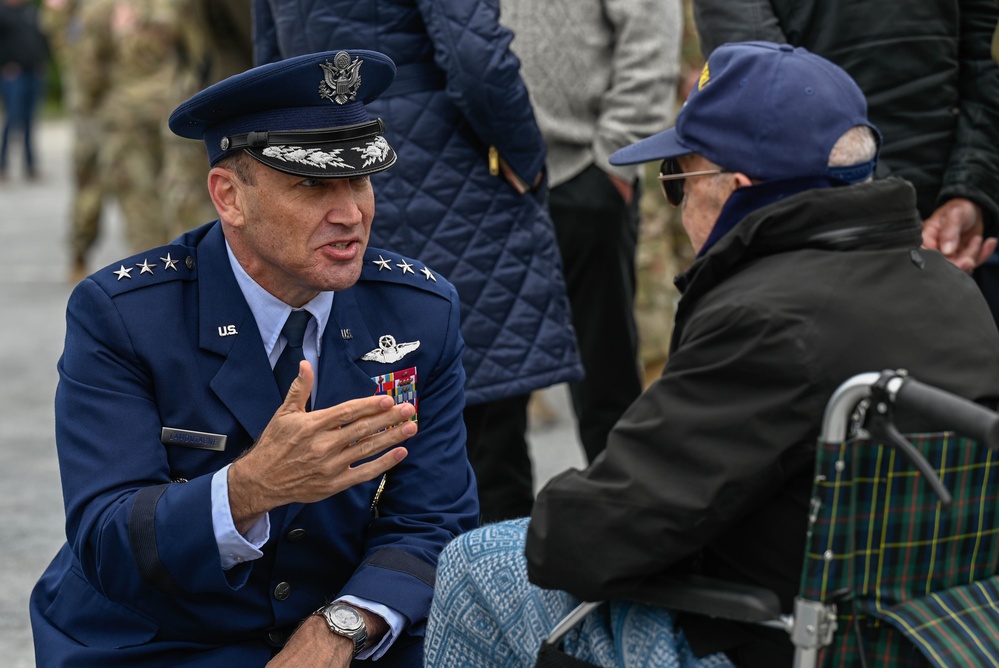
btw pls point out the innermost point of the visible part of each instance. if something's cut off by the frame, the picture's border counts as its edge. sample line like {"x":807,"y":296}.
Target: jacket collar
{"x":346,"y":340}
{"x":223,"y":308}
{"x":876,"y":215}
{"x":744,"y":201}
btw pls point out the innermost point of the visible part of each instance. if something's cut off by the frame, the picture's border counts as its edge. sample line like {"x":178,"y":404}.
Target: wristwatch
{"x":345,"y":620}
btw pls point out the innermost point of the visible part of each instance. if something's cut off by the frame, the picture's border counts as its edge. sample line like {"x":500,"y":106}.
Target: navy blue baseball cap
{"x":303,"y":116}
{"x":770,"y":111}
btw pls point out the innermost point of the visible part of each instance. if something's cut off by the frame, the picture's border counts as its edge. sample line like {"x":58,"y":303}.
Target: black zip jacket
{"x":710,"y":469}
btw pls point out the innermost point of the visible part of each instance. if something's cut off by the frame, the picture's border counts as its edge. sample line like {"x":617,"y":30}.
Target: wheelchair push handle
{"x":950,"y":411}
{"x":881,"y":394}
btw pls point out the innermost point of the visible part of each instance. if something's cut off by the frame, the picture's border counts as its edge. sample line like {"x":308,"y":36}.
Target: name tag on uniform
{"x":193,"y":439}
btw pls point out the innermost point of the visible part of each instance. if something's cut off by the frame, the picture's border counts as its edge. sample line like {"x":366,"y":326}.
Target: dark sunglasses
{"x":671,"y":178}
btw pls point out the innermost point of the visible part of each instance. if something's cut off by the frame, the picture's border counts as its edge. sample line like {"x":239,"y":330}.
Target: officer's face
{"x":299,"y":236}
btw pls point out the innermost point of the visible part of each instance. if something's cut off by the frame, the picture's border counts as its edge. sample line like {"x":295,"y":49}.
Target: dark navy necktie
{"x":286,"y":368}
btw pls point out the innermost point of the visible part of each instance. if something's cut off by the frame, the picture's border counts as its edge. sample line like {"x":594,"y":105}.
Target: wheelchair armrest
{"x":694,"y":594}
{"x":714,"y":598}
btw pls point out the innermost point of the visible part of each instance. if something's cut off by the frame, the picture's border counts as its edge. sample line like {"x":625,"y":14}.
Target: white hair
{"x":856,"y":146}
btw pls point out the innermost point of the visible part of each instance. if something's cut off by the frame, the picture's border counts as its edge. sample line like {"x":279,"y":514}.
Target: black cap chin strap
{"x":260,"y":139}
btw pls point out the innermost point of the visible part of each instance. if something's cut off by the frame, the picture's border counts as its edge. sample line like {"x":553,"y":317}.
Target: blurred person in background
{"x":468,"y":198}
{"x":62,"y":21}
{"x":212,"y":42}
{"x":130,"y":51}
{"x":24,"y":60}
{"x":215,"y":41}
{"x":602,"y":74}
{"x":933,"y":90}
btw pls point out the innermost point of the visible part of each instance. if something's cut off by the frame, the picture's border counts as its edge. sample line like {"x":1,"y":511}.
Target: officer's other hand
{"x":305,"y":457}
{"x":956,"y":230}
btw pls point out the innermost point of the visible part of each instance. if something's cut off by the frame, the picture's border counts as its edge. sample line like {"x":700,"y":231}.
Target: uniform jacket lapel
{"x":244,"y":382}
{"x":345,"y":341}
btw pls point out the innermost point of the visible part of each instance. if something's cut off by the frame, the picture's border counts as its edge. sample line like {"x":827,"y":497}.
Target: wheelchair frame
{"x":812,"y":624}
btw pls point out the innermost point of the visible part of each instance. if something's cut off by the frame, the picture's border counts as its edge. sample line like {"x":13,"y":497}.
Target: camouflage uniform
{"x":215,"y":42}
{"x":133,"y":47}
{"x":61,"y":19}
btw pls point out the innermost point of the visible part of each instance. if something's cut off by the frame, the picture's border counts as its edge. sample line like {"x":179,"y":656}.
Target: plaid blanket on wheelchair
{"x":914,"y":583}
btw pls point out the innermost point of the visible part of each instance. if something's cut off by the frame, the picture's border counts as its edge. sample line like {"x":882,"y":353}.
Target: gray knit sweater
{"x":602,"y":74}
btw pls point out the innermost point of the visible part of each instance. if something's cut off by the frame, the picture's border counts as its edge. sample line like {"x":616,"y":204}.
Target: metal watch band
{"x":359,"y":636}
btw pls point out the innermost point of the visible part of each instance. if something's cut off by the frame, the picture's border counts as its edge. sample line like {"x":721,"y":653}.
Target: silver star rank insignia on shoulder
{"x":388,"y":351}
{"x":169,"y":263}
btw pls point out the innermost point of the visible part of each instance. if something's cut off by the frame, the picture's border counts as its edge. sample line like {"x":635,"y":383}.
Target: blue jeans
{"x":21,"y":94}
{"x":486,"y":614}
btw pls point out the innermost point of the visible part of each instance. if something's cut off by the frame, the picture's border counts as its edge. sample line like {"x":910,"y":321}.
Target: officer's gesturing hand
{"x":306,"y":457}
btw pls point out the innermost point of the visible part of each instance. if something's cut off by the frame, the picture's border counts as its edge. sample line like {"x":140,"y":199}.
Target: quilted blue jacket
{"x":458,"y":91}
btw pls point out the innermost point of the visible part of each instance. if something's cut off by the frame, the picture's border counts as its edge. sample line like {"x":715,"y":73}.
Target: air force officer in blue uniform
{"x":213,"y":519}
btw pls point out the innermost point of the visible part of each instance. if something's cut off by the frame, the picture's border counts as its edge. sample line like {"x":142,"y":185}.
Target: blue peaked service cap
{"x":303,"y":116}
{"x":770,"y":111}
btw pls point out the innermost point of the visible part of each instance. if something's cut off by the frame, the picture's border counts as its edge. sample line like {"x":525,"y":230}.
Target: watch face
{"x":346,"y":617}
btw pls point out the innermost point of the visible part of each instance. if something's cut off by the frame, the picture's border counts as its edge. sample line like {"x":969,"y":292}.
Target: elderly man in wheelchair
{"x":842,"y":543}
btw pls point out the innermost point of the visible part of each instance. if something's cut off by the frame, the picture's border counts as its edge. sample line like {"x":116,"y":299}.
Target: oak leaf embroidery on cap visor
{"x":307,"y":156}
{"x":375,"y":150}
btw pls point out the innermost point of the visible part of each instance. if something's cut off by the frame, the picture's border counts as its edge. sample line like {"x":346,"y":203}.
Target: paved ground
{"x":33,"y":293}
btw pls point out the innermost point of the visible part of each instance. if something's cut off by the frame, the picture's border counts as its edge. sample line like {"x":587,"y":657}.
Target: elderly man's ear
{"x":741,"y":180}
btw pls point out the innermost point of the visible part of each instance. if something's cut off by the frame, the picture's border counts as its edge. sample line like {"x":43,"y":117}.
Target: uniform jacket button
{"x":282,"y":591}
{"x":295,"y":534}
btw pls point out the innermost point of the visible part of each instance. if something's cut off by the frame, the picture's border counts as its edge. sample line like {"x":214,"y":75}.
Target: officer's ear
{"x":225,"y":188}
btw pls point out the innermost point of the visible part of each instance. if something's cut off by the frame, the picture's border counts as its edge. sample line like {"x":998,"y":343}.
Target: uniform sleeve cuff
{"x":395,"y":621}
{"x":234,"y":548}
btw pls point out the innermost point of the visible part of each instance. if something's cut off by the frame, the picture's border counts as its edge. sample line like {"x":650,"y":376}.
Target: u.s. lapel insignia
{"x":388,"y":351}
